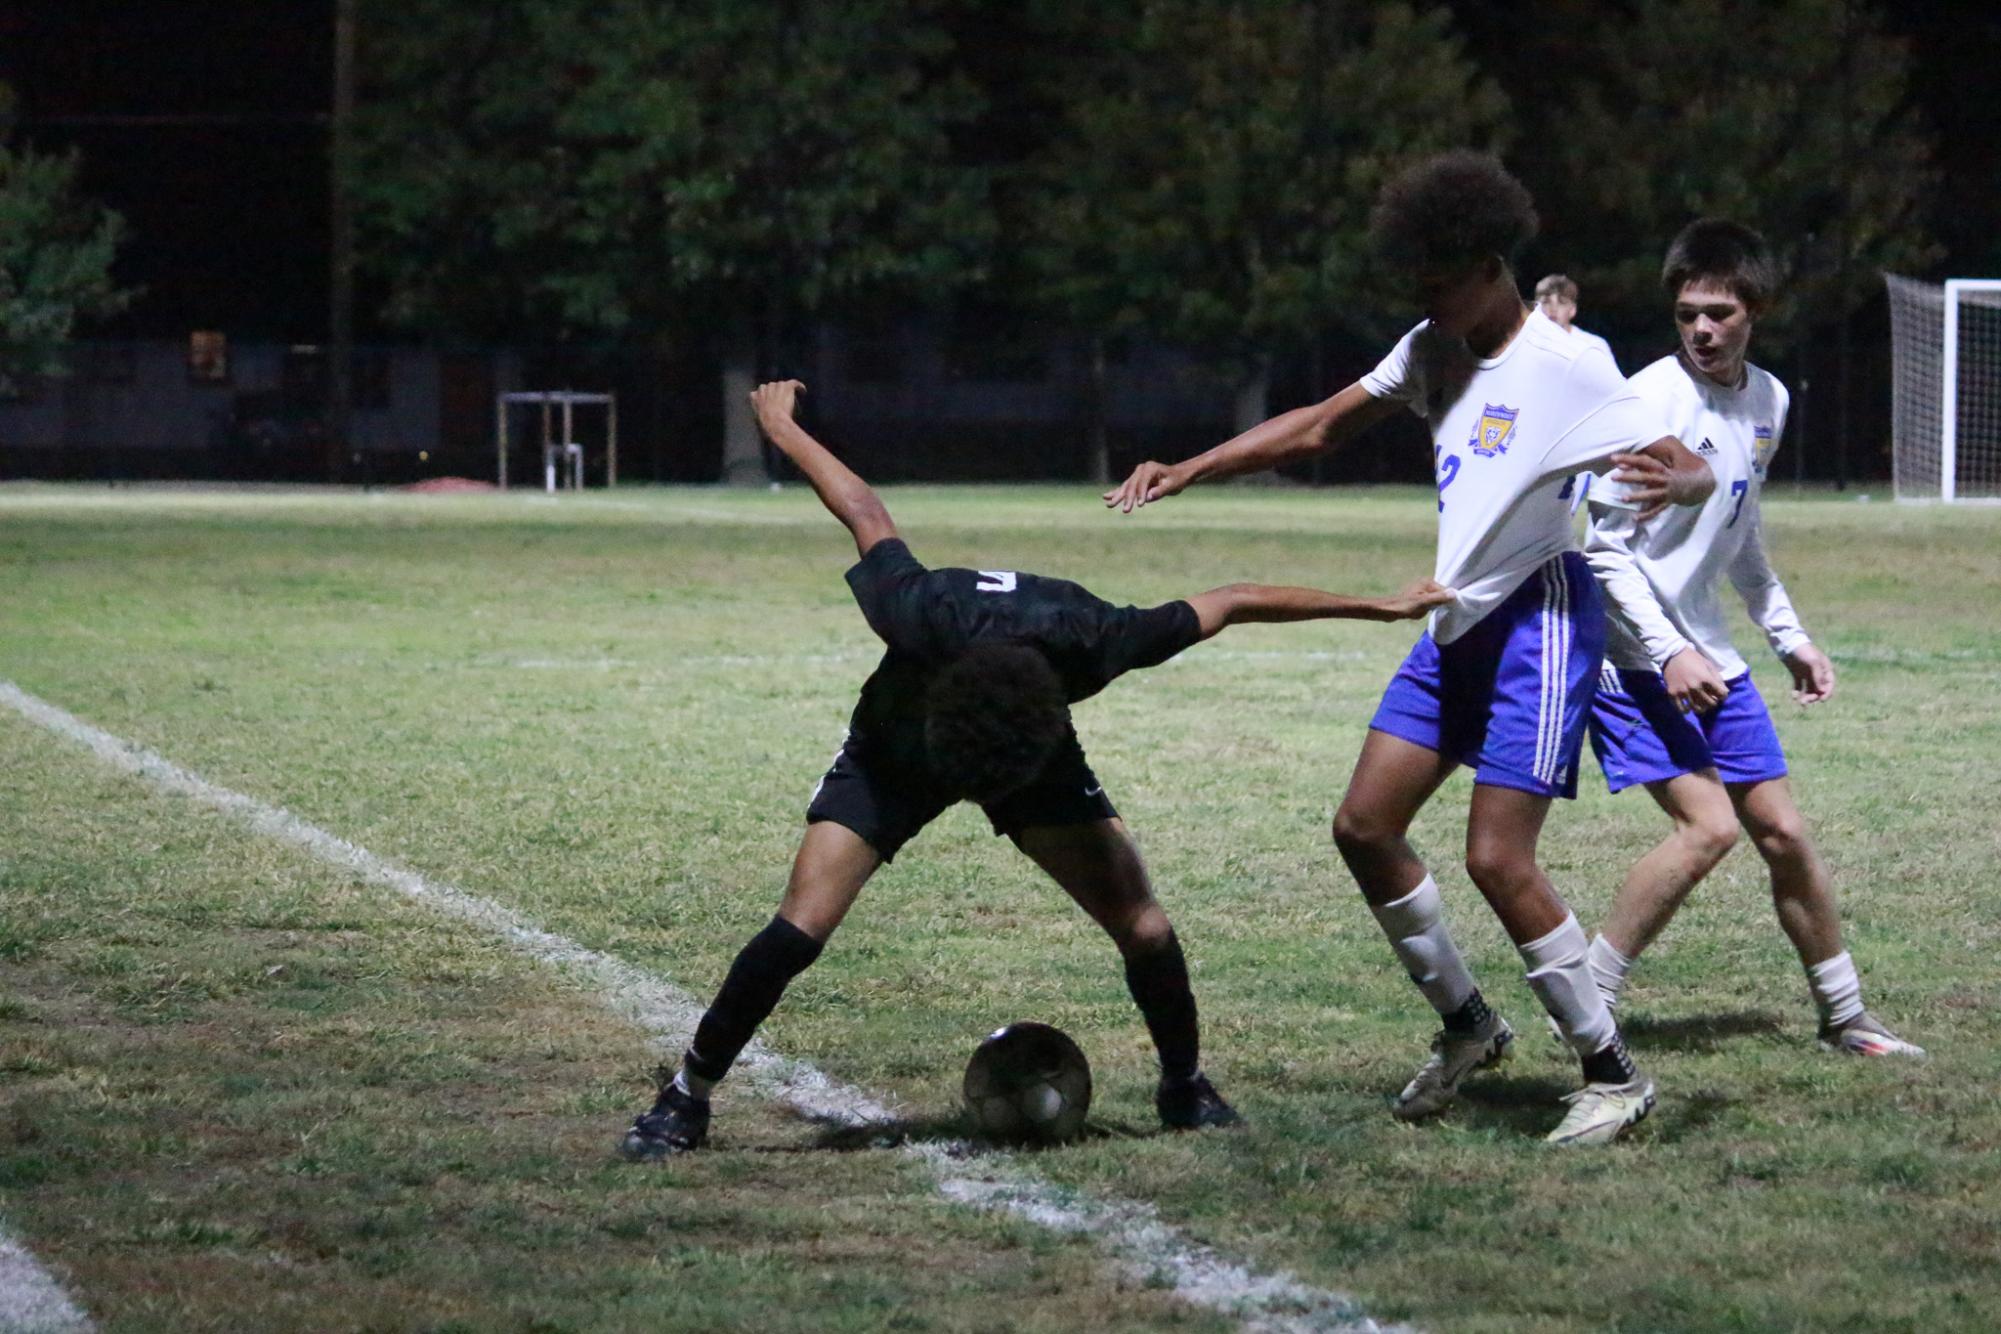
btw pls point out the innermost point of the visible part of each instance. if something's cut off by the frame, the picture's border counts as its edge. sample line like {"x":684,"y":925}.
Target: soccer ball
{"x":1029,"y":1082}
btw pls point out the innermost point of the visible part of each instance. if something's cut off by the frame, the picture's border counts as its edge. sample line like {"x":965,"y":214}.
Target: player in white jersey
{"x":1556,"y":297}
{"x":1503,"y":679}
{"x":1677,"y":710}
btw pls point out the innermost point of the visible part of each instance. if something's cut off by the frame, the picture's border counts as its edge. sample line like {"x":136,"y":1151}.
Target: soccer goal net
{"x":1946,"y":388}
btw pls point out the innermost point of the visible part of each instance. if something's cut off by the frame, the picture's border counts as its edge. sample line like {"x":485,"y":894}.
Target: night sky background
{"x":204,"y":125}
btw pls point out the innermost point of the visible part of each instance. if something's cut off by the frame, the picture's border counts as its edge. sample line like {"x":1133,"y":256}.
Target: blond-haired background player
{"x":1556,"y":297}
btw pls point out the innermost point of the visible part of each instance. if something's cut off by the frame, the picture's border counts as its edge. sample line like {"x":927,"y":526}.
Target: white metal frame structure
{"x":560,"y":449}
{"x":1926,"y":325}
{"x":1948,"y":440}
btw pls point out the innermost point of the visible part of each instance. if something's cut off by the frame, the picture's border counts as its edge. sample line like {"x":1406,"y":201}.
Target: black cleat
{"x":678,"y":1123}
{"x":1191,"y":1104}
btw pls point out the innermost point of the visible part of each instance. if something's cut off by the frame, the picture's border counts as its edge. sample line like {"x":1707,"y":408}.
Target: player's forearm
{"x":846,"y":496}
{"x":1245,"y":604}
{"x":1288,"y":437}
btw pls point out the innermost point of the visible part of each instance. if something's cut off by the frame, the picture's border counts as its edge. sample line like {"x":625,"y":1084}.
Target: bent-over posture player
{"x":1502,"y":681}
{"x":1677,"y":711}
{"x":972,"y":702}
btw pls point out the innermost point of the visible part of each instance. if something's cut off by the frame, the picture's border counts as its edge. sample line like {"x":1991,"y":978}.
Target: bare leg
{"x":832,"y":865}
{"x":827,"y":875}
{"x":1801,"y":890}
{"x":1393,"y":779}
{"x":1099,"y":866}
{"x":1502,"y":829}
{"x":1705,"y":829}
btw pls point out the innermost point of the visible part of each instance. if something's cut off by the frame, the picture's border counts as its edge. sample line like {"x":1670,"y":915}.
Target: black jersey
{"x":929,"y":617}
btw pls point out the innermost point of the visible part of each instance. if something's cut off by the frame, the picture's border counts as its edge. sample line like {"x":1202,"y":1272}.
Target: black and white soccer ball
{"x":1029,"y":1083}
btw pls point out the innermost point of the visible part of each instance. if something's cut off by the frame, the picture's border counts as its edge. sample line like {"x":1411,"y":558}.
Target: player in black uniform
{"x":971,"y":702}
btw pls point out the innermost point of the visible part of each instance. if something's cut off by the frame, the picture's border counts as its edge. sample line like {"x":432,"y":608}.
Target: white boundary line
{"x":31,"y":1301}
{"x":1140,"y":1245}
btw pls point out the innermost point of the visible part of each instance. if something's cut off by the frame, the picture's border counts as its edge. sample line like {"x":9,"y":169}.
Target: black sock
{"x":762,"y":970}
{"x":1158,"y":980}
{"x":1469,"y":1016}
{"x":1610,"y":1065}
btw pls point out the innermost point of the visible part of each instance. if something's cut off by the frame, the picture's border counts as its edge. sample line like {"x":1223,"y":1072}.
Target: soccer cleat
{"x":1600,"y":1113}
{"x":1453,"y":1057}
{"x":678,"y":1123}
{"x":1864,"y":1035}
{"x":1192,"y":1104}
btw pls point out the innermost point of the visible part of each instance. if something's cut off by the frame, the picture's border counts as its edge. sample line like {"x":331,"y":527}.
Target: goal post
{"x":1946,"y":388}
{"x":560,"y":445}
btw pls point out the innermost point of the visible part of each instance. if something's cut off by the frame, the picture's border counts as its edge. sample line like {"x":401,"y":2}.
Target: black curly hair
{"x":1724,"y":252}
{"x":1451,"y":211}
{"x":993,"y":717}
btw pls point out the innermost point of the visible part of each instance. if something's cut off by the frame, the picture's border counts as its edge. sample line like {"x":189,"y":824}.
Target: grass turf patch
{"x":609,"y":714}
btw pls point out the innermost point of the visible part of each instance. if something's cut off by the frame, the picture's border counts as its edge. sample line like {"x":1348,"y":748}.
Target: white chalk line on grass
{"x":31,"y":1301}
{"x":1140,"y":1244}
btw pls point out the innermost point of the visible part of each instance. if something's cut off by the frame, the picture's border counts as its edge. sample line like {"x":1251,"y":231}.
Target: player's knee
{"x":1144,"y":931}
{"x":1710,"y":838}
{"x":1359,"y":832}
{"x":1783,"y":839}
{"x":1499,"y":870}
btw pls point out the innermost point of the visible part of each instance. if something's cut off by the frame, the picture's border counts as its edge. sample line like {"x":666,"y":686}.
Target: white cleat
{"x":1452,"y":1059}
{"x":1865,"y":1035}
{"x":1600,"y":1113}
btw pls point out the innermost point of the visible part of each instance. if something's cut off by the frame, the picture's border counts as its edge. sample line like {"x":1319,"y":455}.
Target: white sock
{"x":1608,"y":969}
{"x":1836,"y":990}
{"x":1416,"y":927}
{"x":694,"y":1086}
{"x":1560,"y":976}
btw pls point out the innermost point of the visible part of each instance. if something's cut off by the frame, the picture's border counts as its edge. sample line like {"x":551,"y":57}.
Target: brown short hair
{"x":1560,"y":284}
{"x":1725,"y":252}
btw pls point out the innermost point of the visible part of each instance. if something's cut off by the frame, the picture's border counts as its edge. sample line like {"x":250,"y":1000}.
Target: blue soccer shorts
{"x":1510,"y":697}
{"x":1640,"y":736}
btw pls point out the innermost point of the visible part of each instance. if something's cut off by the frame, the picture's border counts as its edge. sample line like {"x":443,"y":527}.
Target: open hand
{"x":1416,"y":600}
{"x":1813,"y":674}
{"x":773,"y":402}
{"x":1149,"y":482}
{"x":1693,"y":682}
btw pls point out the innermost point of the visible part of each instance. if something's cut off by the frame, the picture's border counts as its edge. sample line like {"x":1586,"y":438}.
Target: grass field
{"x":241,"y":1088}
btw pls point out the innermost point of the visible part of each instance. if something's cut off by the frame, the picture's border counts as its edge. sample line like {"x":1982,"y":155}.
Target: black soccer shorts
{"x":887,"y":814}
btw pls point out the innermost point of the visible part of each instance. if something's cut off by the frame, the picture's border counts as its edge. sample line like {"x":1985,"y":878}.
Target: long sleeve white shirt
{"x":1660,"y":579}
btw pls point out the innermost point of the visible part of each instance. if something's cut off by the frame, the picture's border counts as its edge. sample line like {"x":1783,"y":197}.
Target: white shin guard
{"x":1559,"y":972}
{"x":1416,"y":927}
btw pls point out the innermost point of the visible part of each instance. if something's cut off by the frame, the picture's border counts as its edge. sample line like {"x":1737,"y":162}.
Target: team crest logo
{"x":1491,"y":436}
{"x":1762,"y":447}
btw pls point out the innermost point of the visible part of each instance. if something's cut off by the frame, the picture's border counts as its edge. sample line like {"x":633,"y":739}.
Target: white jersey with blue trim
{"x":1508,"y":432}
{"x":1679,"y":554}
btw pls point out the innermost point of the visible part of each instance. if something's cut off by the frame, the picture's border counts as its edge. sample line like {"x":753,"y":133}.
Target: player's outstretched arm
{"x":846,"y":496}
{"x":1284,"y":439}
{"x":1241,"y":604}
{"x":1664,"y":473}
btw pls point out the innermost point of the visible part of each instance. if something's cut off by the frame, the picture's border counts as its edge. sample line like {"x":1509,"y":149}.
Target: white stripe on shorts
{"x":1555,"y":692}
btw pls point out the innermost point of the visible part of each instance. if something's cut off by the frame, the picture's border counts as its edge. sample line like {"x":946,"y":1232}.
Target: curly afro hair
{"x":1451,"y":211}
{"x":1723,"y":252}
{"x":993,"y":717}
